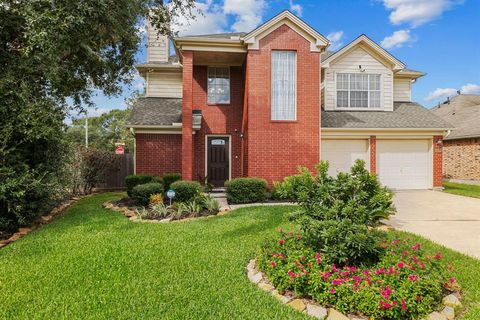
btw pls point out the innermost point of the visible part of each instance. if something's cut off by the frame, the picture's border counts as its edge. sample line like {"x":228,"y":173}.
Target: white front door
{"x":404,"y":164}
{"x":341,"y":154}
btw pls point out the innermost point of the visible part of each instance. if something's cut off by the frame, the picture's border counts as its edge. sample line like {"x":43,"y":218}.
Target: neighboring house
{"x":263,"y":103}
{"x":461,"y":157}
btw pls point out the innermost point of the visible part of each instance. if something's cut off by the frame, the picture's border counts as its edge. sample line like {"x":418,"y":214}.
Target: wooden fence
{"x":115,"y":177}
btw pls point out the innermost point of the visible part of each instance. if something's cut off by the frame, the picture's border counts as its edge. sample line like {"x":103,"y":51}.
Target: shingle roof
{"x":156,"y":111}
{"x":463,"y":112}
{"x":404,"y":115}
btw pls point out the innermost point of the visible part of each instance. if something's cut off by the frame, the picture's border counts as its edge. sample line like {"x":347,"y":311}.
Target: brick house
{"x":461,"y":155}
{"x":264,"y":102}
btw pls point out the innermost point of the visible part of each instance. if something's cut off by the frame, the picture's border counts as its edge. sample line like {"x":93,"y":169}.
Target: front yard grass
{"x":462,"y":189}
{"x":94,"y":263}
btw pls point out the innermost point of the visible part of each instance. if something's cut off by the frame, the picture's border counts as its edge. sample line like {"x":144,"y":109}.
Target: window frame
{"x":295,"y":68}
{"x":211,"y":103}
{"x":349,"y":90}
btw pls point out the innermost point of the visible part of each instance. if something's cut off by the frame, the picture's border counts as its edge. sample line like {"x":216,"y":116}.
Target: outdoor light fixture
{"x":360,"y":67}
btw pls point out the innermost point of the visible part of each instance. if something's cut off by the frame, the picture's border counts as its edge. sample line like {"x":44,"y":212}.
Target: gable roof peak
{"x":318,"y":41}
{"x":372,"y":45}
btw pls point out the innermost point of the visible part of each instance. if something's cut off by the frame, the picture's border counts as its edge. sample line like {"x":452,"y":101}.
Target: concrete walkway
{"x":451,"y":220}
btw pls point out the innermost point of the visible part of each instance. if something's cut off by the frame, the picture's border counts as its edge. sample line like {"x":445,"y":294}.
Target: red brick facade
{"x":276,"y":149}
{"x":461,"y":159}
{"x":221,"y":119}
{"x":158,"y":153}
{"x":373,"y":154}
{"x":437,"y":162}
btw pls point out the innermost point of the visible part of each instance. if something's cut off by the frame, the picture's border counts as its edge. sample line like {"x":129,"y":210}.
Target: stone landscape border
{"x":47,"y":218}
{"x":313,"y":309}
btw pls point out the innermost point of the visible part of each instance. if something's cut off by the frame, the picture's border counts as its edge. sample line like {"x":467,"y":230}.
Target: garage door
{"x":404,"y":164}
{"x":341,"y":154}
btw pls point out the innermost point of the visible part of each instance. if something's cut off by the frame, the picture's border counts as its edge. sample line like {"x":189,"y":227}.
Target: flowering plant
{"x":406,"y":282}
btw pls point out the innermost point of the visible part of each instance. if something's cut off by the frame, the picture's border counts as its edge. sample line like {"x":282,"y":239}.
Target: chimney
{"x":157,"y":45}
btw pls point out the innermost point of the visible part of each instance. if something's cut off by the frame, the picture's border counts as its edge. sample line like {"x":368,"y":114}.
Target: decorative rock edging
{"x":45,"y":219}
{"x":315,"y":310}
{"x":132,"y":215}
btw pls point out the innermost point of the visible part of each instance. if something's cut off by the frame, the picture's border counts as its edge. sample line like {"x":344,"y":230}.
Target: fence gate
{"x":115,"y":177}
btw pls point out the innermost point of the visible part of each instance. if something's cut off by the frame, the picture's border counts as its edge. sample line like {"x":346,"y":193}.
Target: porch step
{"x":218,"y":194}
{"x":221,"y":189}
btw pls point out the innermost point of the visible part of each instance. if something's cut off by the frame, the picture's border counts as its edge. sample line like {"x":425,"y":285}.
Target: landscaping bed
{"x":94,"y":263}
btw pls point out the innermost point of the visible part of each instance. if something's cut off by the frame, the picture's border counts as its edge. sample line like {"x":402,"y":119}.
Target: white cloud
{"x":397,"y":39}
{"x":443,"y":93}
{"x":209,"y":18}
{"x":471,"y":88}
{"x":417,"y":12}
{"x":296,"y":8}
{"x":335,"y":39}
{"x":248,"y":13}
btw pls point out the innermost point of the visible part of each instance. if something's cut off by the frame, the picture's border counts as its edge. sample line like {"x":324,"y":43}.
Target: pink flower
{"x":438,"y":256}
{"x":326,"y":275}
{"x":380,"y":270}
{"x":422,"y":265}
{"x":400,"y":264}
{"x":385,"y":305}
{"x":416,"y":246}
{"x":386,"y":293}
{"x":318,"y":258}
{"x":281,"y":242}
{"x":273,"y":263}
{"x":418,"y":298}
{"x":366,"y":272}
{"x":337,"y":281}
{"x":291,"y":273}
{"x":451,"y":280}
{"x":332,"y":291}
{"x":396,"y":241}
{"x":405,"y":253}
{"x":413,"y":277}
{"x":334,"y":268}
{"x":404,"y":305}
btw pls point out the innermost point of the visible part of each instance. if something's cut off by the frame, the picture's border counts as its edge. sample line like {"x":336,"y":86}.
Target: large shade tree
{"x":54,"y":54}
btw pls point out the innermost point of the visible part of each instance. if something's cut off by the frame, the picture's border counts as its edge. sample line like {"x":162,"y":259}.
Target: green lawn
{"x":462,"y":189}
{"x":93,"y":263}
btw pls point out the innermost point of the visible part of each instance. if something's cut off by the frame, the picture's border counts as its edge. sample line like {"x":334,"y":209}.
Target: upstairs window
{"x":218,"y":85}
{"x":284,"y":85}
{"x":358,"y":90}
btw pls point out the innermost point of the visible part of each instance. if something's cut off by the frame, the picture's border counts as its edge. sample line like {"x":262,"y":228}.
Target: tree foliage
{"x":54,"y":53}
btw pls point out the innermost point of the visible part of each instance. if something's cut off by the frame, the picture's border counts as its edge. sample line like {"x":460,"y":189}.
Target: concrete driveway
{"x":453,"y":221}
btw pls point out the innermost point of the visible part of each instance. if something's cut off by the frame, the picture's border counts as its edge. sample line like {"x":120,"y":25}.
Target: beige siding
{"x":402,"y":89}
{"x":157,"y":46}
{"x":349,"y":64}
{"x":167,"y":85}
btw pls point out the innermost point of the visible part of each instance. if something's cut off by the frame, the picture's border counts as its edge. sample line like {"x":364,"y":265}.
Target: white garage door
{"x":404,"y":164}
{"x":341,"y":154}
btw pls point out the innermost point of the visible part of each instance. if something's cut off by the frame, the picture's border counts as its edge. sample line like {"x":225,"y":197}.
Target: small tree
{"x":95,"y":163}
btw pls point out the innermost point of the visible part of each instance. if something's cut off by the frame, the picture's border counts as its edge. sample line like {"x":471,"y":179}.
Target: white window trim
{"x":229,"y":84}
{"x":296,"y":87}
{"x":335,"y":77}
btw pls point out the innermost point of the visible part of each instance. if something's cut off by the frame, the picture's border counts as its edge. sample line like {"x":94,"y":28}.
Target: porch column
{"x":437,"y":162}
{"x":373,"y":154}
{"x":187,"y":106}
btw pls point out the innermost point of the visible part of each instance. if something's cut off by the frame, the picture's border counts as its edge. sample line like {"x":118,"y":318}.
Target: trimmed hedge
{"x":134,"y":180}
{"x":186,"y":190}
{"x":142,"y":192}
{"x":169,"y":178}
{"x":246,"y":190}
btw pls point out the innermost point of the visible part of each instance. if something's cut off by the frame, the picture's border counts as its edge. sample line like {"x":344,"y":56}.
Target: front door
{"x":218,"y":161}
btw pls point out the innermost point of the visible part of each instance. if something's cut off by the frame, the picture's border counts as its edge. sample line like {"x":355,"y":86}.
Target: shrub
{"x":210,"y":204}
{"x":292,"y":186}
{"x":246,"y":190}
{"x":186,"y":190}
{"x":336,"y":213}
{"x":169,"y":178}
{"x":142,"y":192}
{"x":134,"y":180}
{"x":94,"y":166}
{"x":156,"y":198}
{"x":407,"y":283}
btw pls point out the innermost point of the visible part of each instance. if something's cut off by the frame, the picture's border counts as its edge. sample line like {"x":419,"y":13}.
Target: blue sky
{"x":439,"y":37}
